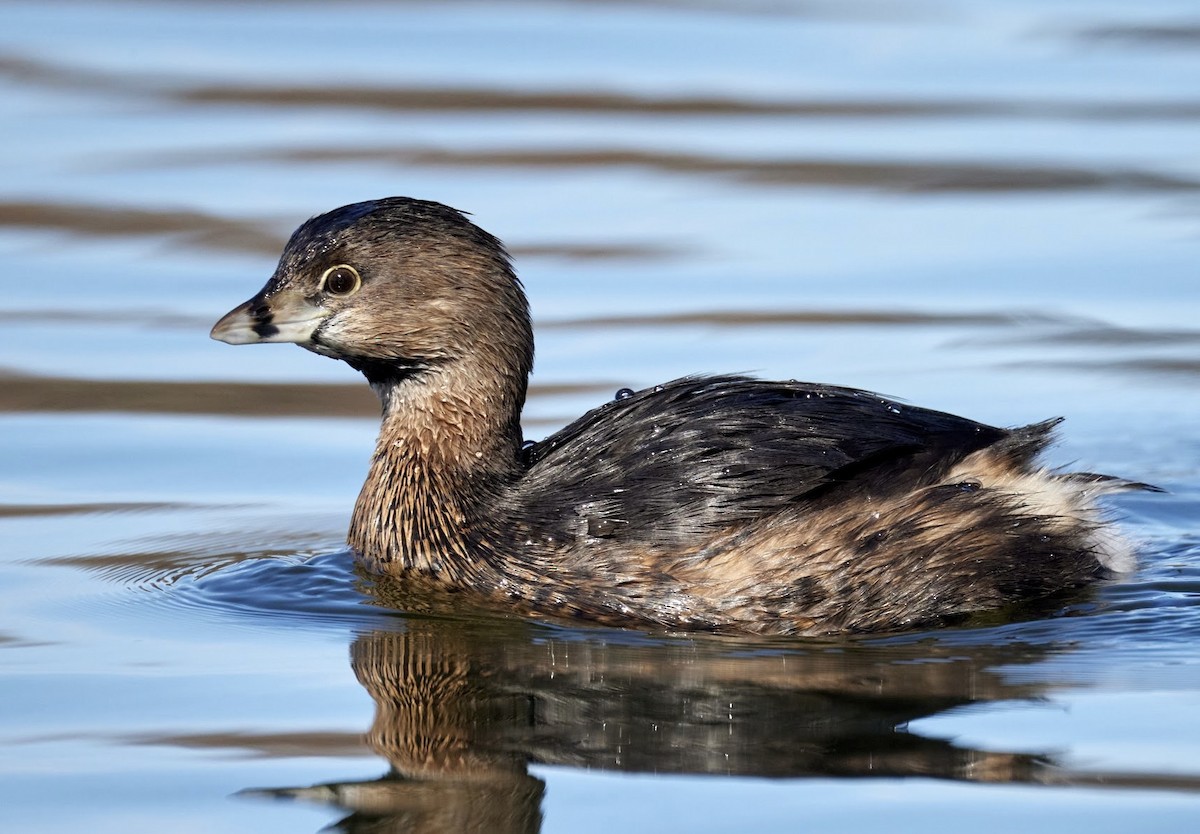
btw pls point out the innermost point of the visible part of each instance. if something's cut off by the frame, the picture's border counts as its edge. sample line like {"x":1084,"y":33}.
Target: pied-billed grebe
{"x":721,"y":503}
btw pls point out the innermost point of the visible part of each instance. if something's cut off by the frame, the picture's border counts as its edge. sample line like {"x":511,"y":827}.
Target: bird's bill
{"x":284,"y":317}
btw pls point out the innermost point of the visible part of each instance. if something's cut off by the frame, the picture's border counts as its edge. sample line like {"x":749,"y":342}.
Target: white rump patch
{"x":1060,"y":500}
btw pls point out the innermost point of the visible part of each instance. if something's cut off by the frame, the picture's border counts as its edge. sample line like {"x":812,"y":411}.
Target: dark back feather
{"x":697,"y":455}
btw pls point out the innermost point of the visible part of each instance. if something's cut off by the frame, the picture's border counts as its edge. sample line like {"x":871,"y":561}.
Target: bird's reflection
{"x":464,"y":707}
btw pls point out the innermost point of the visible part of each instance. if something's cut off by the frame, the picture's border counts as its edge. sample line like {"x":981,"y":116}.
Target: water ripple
{"x":29,"y":393}
{"x":1154,"y":616}
{"x":309,"y":589}
{"x":41,"y":72}
{"x":241,"y":235}
{"x":899,"y":176}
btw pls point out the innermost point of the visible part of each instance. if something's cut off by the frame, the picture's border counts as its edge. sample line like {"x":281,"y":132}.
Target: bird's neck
{"x":449,"y":442}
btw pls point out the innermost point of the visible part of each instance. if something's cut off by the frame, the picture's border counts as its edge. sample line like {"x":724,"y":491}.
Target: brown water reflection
{"x":211,"y":233}
{"x":462,"y":710}
{"x":1167,"y":368}
{"x":401,"y":98}
{"x":1182,"y":35}
{"x":188,"y":228}
{"x":885,"y":175}
{"x":29,"y":393}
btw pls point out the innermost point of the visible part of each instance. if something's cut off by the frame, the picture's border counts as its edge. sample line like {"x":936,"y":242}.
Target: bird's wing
{"x":700,"y":454}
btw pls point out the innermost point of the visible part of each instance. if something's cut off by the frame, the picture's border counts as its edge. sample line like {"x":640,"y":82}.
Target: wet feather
{"x":719,"y":502}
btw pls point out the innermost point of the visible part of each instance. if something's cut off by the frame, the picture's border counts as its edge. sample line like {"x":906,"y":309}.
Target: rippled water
{"x":991,"y":208}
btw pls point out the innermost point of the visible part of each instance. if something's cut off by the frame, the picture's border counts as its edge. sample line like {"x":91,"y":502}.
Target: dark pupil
{"x":340,"y":281}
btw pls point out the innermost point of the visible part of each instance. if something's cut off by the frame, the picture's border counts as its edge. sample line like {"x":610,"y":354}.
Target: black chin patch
{"x":384,"y":372}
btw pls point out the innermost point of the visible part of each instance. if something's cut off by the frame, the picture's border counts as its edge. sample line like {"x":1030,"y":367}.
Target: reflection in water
{"x":463,"y":708}
{"x":884,"y":174}
{"x":29,"y":392}
{"x":197,"y":229}
{"x":1183,"y":34}
{"x":470,"y":98}
{"x":226,"y":234}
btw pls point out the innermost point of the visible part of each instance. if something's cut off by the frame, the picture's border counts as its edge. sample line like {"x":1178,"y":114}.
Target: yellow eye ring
{"x":342,"y":279}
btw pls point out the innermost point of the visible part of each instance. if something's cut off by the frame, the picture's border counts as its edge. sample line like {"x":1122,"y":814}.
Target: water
{"x":989,"y":208}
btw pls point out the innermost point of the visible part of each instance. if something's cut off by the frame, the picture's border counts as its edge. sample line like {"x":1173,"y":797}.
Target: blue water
{"x":990,"y":208}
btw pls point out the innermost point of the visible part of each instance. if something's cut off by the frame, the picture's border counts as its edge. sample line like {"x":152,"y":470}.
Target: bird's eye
{"x":342,"y":279}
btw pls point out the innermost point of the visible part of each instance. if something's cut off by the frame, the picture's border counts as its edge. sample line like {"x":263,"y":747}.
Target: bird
{"x":720,"y":503}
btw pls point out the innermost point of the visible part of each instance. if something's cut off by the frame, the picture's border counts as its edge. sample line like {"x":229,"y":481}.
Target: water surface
{"x":987,"y":207}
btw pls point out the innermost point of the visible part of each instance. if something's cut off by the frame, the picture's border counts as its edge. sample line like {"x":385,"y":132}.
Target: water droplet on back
{"x":624,"y":394}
